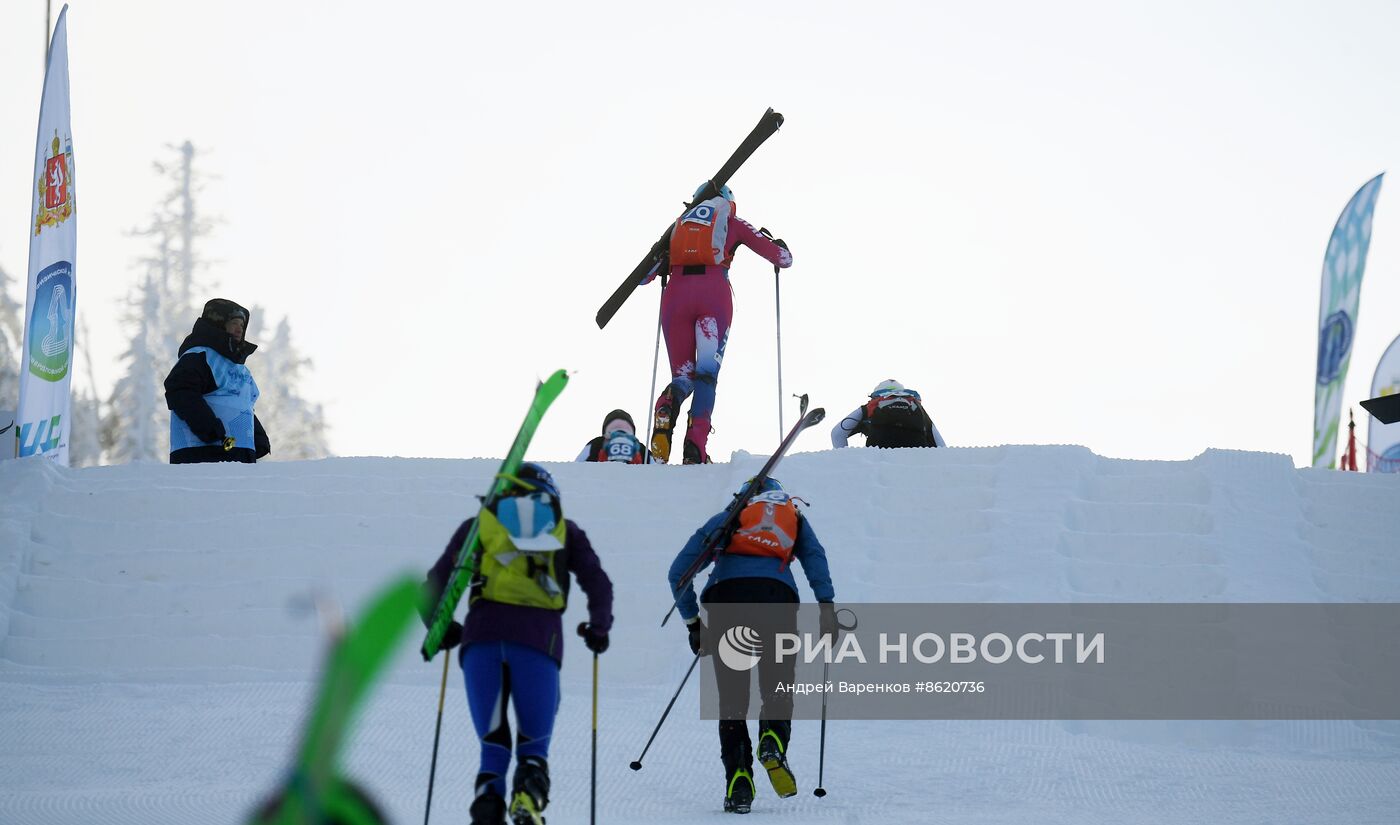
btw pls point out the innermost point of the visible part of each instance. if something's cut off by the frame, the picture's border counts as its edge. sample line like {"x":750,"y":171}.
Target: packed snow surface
{"x":158,"y":644}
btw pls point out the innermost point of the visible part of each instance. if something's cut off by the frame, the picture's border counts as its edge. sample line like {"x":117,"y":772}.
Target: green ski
{"x":465,"y":568}
{"x":316,"y":793}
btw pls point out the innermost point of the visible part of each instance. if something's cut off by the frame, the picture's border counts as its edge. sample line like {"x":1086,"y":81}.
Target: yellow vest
{"x":514,"y":576}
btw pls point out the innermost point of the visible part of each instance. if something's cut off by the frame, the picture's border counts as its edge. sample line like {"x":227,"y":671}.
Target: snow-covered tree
{"x":11,"y":344}
{"x":137,"y":425}
{"x":85,"y":409}
{"x":159,"y":313}
{"x":295,"y":426}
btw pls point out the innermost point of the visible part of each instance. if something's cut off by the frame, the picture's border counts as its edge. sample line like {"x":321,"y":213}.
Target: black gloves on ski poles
{"x":592,"y":639}
{"x":696,"y":628}
{"x":763,"y":230}
{"x":829,"y":626}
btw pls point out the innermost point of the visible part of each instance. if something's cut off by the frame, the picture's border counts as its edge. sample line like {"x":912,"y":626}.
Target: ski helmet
{"x":536,"y":478}
{"x":615,"y":417}
{"x":888,"y":385}
{"x":724,"y":191}
{"x":770,"y":485}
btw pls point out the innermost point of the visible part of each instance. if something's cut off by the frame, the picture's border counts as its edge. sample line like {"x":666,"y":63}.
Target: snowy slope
{"x":157,"y":645}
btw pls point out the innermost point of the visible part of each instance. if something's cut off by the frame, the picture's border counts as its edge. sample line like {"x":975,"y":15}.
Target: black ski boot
{"x":530,"y":794}
{"x":691,"y":454}
{"x":663,"y":425}
{"x":489,"y":809}
{"x":738,"y":798}
{"x":772,"y":755}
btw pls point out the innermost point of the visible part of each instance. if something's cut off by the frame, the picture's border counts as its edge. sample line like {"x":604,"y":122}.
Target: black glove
{"x":594,"y":640}
{"x":216,"y":433}
{"x":697,"y":636}
{"x":452,"y":637}
{"x":829,"y":628}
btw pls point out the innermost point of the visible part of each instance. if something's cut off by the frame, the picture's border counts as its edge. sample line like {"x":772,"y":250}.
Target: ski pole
{"x":593,"y":780}
{"x":778,"y":310}
{"x":655,"y":360}
{"x":821,"y":749}
{"x":637,"y":765}
{"x":437,"y":736}
{"x":826,"y":667}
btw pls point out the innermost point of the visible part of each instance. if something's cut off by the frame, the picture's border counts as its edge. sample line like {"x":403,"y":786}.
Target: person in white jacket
{"x":893,"y":417}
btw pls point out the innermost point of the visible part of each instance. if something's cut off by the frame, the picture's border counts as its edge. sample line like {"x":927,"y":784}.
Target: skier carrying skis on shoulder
{"x":754,"y":566}
{"x":617,"y":444}
{"x":696,"y":309}
{"x":512,"y":639}
{"x":893,"y":417}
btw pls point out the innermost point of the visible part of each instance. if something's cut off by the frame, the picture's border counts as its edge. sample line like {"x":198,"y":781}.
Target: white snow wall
{"x":155,"y":584}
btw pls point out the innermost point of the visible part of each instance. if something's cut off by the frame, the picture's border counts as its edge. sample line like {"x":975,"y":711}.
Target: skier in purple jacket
{"x":513,"y":640}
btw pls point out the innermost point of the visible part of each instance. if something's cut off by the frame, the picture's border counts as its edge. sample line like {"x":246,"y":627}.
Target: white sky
{"x":1091,"y":223}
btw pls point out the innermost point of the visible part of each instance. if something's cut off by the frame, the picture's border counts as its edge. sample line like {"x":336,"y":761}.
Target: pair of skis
{"x":720,"y":537}
{"x":467,"y":556}
{"x":659,"y":254}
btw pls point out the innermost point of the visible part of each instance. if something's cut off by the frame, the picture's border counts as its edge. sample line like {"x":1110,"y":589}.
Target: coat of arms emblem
{"x":56,"y":186}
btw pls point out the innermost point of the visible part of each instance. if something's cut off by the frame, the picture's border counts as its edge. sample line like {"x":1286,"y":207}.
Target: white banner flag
{"x":42,"y":420}
{"x":1336,"y":322}
{"x":1383,"y":440}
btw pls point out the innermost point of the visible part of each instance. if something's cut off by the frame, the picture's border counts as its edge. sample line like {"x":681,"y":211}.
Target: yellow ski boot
{"x":771,"y":755}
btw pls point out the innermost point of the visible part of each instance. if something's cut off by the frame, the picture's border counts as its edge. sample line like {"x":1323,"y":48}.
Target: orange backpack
{"x":767,"y":527}
{"x":701,"y":234}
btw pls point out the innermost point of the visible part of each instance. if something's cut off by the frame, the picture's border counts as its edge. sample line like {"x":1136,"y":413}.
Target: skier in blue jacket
{"x":754,"y":566}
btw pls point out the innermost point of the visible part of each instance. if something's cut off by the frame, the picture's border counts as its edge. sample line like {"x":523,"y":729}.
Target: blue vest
{"x":232,"y":401}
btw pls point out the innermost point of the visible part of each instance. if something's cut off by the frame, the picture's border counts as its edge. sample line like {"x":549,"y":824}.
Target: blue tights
{"x":502,"y":673}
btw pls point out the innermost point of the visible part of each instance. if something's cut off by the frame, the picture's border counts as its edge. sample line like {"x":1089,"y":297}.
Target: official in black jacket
{"x":211,"y":393}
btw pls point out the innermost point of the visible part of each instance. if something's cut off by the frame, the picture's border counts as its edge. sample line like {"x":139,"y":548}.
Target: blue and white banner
{"x":1336,"y":323}
{"x":1383,"y":440}
{"x":42,"y":420}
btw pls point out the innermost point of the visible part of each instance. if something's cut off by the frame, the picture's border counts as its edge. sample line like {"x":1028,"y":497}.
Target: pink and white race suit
{"x":697,"y":308}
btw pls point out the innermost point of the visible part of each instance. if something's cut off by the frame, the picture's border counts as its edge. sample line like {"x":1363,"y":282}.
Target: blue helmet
{"x":770,"y":485}
{"x":724,"y":191}
{"x":537,"y":478}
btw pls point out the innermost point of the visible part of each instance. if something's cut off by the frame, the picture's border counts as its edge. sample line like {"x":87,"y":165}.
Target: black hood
{"x":615,"y":415}
{"x":208,"y":334}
